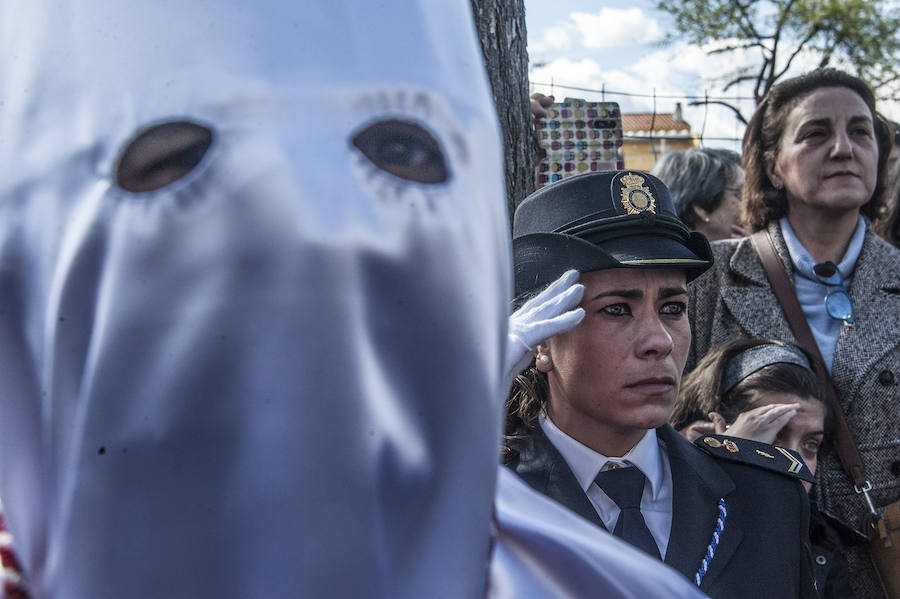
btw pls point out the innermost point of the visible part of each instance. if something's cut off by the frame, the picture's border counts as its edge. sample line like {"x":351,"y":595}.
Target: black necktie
{"x":625,"y":486}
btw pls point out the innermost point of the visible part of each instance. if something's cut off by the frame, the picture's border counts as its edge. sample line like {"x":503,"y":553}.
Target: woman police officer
{"x":587,"y":421}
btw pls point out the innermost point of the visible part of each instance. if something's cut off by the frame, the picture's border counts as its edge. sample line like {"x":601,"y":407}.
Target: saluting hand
{"x":551,"y":312}
{"x":759,"y":424}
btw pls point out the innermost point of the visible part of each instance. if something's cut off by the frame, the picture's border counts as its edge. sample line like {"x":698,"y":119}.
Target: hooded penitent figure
{"x":254,"y":286}
{"x":217,"y":223}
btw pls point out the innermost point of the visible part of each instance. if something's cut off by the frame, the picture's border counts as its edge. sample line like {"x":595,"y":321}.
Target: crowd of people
{"x":815,"y":160}
{"x":253,"y":353}
{"x":816,"y":177}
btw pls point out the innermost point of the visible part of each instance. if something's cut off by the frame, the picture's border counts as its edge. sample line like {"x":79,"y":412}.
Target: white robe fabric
{"x":281,"y":374}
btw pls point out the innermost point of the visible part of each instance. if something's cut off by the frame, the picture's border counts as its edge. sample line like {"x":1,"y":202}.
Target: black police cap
{"x":595,"y":221}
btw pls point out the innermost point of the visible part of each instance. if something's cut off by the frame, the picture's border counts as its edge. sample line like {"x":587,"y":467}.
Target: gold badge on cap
{"x":635,"y":197}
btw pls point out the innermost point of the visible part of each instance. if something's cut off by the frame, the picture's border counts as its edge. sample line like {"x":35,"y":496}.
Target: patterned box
{"x":579,"y":137}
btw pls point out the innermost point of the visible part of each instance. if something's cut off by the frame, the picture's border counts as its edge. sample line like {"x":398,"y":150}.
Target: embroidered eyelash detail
{"x":390,"y":186}
{"x":394,"y":121}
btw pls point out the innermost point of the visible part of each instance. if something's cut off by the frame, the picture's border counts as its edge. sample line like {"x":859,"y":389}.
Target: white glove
{"x":547,"y":314}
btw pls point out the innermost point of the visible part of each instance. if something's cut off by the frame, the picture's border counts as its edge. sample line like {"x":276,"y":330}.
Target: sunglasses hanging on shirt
{"x":837,"y":300}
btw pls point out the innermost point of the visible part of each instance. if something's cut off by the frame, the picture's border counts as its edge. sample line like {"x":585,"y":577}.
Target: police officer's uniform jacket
{"x":762,"y":548}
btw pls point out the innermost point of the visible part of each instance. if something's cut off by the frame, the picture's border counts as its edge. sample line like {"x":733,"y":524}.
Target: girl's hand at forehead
{"x":758,"y":424}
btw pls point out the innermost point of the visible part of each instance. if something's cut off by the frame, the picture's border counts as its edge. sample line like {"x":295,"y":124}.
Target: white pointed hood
{"x":210,"y":387}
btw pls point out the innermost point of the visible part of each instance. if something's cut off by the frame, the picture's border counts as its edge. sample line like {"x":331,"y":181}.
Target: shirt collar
{"x":803,"y":260}
{"x":586,"y":463}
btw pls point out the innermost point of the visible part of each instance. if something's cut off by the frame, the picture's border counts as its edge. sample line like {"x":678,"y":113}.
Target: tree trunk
{"x":501,"y":30}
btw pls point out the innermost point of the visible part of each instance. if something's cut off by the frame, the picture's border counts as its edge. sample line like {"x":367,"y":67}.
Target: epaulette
{"x":763,"y":455}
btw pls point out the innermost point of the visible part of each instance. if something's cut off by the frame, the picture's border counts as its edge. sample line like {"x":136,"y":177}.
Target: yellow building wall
{"x":639,"y":157}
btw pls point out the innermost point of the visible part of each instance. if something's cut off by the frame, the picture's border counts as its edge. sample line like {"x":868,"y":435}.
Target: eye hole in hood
{"x":161,"y":154}
{"x":404,"y":149}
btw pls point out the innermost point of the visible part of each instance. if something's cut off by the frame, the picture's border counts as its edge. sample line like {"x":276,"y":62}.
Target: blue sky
{"x":616,"y":45}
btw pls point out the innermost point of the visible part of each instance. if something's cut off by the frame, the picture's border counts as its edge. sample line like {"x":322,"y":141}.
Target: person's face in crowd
{"x":618,"y":372}
{"x":804,"y":432}
{"x":827,"y":157}
{"x":725,"y":220}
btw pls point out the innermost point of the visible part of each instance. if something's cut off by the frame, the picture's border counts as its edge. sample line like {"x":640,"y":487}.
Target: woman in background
{"x":706,"y":186}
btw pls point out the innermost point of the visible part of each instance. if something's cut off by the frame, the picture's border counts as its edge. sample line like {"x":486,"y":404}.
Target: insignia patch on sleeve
{"x":763,"y":455}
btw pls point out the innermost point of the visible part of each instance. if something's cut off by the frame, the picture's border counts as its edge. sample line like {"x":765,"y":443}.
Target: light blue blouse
{"x":811,"y":293}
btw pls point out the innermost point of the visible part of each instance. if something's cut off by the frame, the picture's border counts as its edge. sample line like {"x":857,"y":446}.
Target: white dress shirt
{"x":647,"y":455}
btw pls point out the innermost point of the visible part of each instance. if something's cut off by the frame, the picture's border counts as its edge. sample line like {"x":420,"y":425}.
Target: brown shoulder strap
{"x":787,"y":296}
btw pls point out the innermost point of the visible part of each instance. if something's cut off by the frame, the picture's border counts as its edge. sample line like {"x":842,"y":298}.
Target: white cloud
{"x":610,"y":28}
{"x":578,"y":73}
{"x":556,"y":37}
{"x":613,"y":27}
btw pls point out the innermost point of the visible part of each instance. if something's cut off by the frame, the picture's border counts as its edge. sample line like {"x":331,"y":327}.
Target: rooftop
{"x":641,"y":121}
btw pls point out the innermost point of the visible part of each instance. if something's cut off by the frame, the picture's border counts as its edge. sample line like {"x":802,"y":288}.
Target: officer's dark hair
{"x":701,"y":390}
{"x":527,"y":397}
{"x":764,"y":203}
{"x":697,"y":176}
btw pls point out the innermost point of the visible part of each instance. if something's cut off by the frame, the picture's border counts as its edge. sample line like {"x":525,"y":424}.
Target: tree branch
{"x":737,"y":112}
{"x":750,"y":30}
{"x":738,"y":80}
{"x":776,"y":39}
{"x":731,"y":48}
{"x":815,"y":31}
